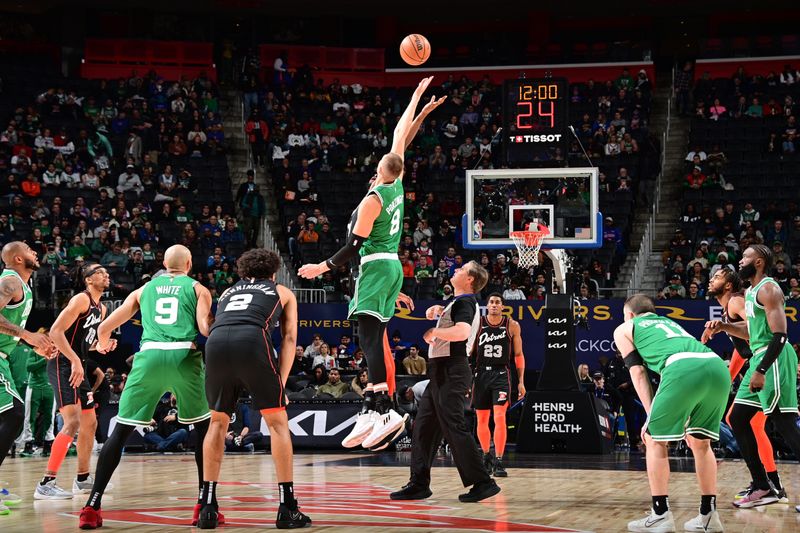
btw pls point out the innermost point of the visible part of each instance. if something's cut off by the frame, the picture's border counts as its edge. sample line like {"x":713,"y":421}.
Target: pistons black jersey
{"x":83,"y":332}
{"x":741,"y":345}
{"x":249,"y":302}
{"x":494,"y":344}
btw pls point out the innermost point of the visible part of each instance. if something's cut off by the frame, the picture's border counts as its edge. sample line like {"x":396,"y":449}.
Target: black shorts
{"x":240,"y":358}
{"x":491,"y":387}
{"x":58,"y":372}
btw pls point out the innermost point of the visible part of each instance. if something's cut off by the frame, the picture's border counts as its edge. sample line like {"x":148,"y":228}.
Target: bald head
{"x":12,"y":250}
{"x":178,"y":257}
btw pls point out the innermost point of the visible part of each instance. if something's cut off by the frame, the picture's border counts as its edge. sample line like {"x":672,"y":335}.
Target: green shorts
{"x":780,"y":384}
{"x":7,"y":389}
{"x":690,"y":400}
{"x":157,"y":369}
{"x":378,"y":284}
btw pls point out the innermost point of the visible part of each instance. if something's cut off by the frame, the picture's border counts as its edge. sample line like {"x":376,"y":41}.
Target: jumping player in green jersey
{"x":770,"y":384}
{"x":16,"y":302}
{"x":689,"y":404}
{"x":374,"y":236}
{"x":174,"y":308}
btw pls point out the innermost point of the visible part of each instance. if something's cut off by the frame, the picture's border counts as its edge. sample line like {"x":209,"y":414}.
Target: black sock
{"x":660,"y":504}
{"x":369,"y":401}
{"x":286,"y":494}
{"x":382,"y":402}
{"x":46,"y":479}
{"x":776,"y":480}
{"x":108,"y":461}
{"x":83,"y":477}
{"x":708,"y":503}
{"x":208,"y":494}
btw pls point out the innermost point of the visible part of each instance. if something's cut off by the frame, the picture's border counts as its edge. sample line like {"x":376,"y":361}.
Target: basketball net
{"x":528,"y":243}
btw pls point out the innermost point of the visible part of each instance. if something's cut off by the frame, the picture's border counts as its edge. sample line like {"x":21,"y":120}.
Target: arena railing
{"x":311,"y":296}
{"x":646,"y":246}
{"x":266,"y":239}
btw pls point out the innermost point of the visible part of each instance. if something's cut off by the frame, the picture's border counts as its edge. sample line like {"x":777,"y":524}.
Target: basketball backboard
{"x":504,"y":200}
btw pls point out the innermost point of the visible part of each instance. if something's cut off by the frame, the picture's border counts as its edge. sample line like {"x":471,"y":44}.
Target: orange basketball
{"x":415,"y":49}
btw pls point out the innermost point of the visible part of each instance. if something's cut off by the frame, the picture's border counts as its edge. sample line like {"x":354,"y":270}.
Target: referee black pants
{"x":441,"y":414}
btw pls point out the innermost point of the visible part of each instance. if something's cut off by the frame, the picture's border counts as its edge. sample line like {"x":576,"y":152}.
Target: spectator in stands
{"x":584,"y":378}
{"x":413,"y":363}
{"x":789,"y":76}
{"x":776,"y":233}
{"x":695,"y":179}
{"x":360,"y":382}
{"x":779,"y":255}
{"x":675,"y":285}
{"x":253,"y":208}
{"x":789,"y":136}
{"x":258,"y":136}
{"x":114,"y":258}
{"x":240,"y":438}
{"x":335,"y":386}
{"x":129,"y":181}
{"x":358,"y":360}
{"x":513,"y":292}
{"x":324,"y":357}
{"x":165,"y":432}
{"x":246,"y":187}
{"x":722,"y":262}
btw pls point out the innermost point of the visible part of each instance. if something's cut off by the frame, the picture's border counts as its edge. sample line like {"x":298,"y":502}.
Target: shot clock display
{"x":535,"y":120}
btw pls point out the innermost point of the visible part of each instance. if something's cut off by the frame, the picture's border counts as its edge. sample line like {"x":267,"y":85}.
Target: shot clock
{"x":535,"y":120}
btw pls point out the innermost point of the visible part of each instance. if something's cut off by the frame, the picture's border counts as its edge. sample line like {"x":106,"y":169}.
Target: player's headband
{"x":90,"y":271}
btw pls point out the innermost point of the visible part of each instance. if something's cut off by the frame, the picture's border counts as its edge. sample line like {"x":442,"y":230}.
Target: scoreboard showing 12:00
{"x":535,"y":120}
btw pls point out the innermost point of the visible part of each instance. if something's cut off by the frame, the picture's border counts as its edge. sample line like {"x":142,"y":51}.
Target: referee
{"x":441,"y":408}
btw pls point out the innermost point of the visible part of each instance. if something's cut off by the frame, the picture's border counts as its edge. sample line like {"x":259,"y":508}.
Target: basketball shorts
{"x":376,"y":289}
{"x":8,"y":392}
{"x":491,"y":387}
{"x":160,"y":367}
{"x":240,"y":358}
{"x":780,"y":383}
{"x":59,"y":370}
{"x":690,"y":400}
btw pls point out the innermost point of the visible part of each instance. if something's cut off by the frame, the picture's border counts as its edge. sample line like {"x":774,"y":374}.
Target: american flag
{"x":583,"y":233}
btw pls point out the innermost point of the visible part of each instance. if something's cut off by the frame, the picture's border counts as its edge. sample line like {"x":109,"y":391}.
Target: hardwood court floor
{"x":349,"y":492}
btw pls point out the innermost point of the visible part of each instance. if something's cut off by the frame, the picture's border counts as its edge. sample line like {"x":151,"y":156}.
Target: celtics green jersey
{"x":385,"y":234}
{"x":757,"y":326}
{"x":656,"y":338}
{"x":16,"y":313}
{"x":168,"y":304}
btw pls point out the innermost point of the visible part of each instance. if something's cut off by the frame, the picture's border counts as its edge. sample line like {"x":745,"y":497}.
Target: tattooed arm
{"x":10,"y":289}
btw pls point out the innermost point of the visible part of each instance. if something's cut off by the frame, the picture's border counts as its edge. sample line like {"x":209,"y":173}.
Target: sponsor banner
{"x":330,"y":321}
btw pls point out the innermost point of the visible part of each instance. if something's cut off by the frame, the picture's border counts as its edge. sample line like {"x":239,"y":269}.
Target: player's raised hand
{"x":311,"y":271}
{"x":404,"y":300}
{"x":434,"y":312}
{"x":433,"y":104}
{"x":422,"y":87}
{"x":41,"y":344}
{"x":712,"y":328}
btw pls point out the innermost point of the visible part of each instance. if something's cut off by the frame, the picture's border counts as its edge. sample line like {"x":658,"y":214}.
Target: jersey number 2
{"x":239,"y":302}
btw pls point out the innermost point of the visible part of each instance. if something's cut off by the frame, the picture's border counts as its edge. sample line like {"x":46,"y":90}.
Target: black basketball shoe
{"x":291,"y":518}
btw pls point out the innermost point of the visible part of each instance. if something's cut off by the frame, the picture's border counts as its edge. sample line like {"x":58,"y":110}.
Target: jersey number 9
{"x":166,"y":311}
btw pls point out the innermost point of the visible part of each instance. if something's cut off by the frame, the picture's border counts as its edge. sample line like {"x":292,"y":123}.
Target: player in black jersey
{"x":74,"y":333}
{"x":240,"y":355}
{"x":498,"y":338}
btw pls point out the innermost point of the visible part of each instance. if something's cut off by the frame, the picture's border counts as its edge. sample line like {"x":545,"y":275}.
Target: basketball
{"x":415,"y":49}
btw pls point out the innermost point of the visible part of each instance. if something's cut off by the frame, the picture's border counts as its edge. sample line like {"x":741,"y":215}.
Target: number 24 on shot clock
{"x":536,"y":118}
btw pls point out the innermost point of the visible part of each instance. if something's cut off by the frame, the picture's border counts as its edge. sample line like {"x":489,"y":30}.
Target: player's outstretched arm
{"x":112,"y":344}
{"x":368,"y":211}
{"x":204,"y":317}
{"x":420,"y":118}
{"x":623,"y":338}
{"x":288,"y":331}
{"x":119,"y":316}
{"x":403,"y":127}
{"x":519,"y":357}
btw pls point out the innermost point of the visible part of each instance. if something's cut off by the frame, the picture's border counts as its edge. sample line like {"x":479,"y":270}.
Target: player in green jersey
{"x":689,"y":404}
{"x":174,"y":307}
{"x":16,"y":302}
{"x":374,"y":236}
{"x":770,"y":384}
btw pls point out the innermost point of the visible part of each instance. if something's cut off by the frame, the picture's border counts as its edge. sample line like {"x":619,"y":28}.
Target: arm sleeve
{"x":737,"y":362}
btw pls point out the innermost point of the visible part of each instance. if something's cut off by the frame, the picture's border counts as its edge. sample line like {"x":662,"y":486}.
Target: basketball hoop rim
{"x":529,"y":237}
